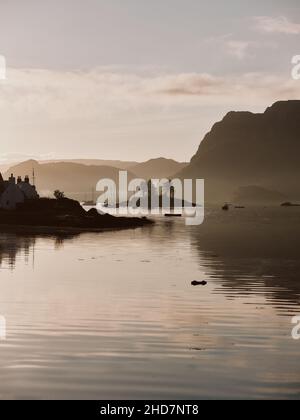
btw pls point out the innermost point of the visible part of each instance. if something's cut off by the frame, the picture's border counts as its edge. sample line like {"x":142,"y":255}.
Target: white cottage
{"x":13,"y":193}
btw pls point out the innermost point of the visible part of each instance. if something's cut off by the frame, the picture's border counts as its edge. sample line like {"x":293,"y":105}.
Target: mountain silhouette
{"x":257,"y":195}
{"x":76,"y":180}
{"x":247,"y":149}
{"x":96,"y":162}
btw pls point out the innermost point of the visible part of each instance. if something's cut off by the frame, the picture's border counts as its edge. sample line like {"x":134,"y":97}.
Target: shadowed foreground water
{"x":114,"y":316}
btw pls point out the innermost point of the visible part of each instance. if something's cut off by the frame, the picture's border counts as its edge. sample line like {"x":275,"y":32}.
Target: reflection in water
{"x":113,"y":315}
{"x":11,"y":246}
{"x":253,"y":252}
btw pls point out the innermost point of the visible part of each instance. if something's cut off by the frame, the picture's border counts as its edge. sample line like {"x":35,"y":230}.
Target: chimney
{"x":12,"y":179}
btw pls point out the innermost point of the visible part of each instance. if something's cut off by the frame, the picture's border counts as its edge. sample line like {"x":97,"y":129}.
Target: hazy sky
{"x":135,"y":79}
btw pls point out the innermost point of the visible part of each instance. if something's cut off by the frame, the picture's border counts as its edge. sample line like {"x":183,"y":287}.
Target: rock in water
{"x":199,"y":283}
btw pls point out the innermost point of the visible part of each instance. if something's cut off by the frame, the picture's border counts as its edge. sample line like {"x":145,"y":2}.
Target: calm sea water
{"x":114,"y":316}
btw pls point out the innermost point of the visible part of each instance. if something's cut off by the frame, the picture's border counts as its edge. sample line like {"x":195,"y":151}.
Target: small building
{"x":13,"y":193}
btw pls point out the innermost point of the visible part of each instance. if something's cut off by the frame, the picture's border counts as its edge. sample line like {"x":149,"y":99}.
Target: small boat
{"x":225,"y":207}
{"x":289,"y":204}
{"x":173,"y":215}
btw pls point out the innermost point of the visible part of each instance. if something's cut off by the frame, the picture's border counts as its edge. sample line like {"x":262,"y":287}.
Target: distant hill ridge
{"x":158,"y":168}
{"x":78,"y":180}
{"x":94,"y":162}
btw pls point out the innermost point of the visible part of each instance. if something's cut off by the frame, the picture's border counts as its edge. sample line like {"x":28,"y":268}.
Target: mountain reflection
{"x":252,"y":252}
{"x":246,"y":252}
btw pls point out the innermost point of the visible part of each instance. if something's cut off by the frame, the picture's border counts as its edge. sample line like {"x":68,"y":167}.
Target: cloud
{"x":99,"y":94}
{"x":96,"y":112}
{"x":186,"y":84}
{"x":238,"y":49}
{"x":249,"y":88}
{"x":226,"y":43}
{"x":280,"y":25}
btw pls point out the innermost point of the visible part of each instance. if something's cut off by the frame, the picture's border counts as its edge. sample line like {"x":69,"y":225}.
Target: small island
{"x":23,"y":210}
{"x":289,"y":204}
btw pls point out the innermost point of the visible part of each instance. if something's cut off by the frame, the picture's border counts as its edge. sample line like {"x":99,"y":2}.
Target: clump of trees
{"x":59,"y":195}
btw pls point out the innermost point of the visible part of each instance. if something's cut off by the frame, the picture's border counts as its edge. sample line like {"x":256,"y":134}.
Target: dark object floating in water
{"x":240,"y":207}
{"x":197,"y":349}
{"x":225,"y":207}
{"x":288,"y":204}
{"x":173,"y":215}
{"x":199,"y":283}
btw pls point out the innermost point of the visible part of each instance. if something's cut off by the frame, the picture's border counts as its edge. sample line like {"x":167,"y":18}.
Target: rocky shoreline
{"x":64,"y":215}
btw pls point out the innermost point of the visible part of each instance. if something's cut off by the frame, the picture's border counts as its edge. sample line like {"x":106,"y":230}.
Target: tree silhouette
{"x":59,"y":195}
